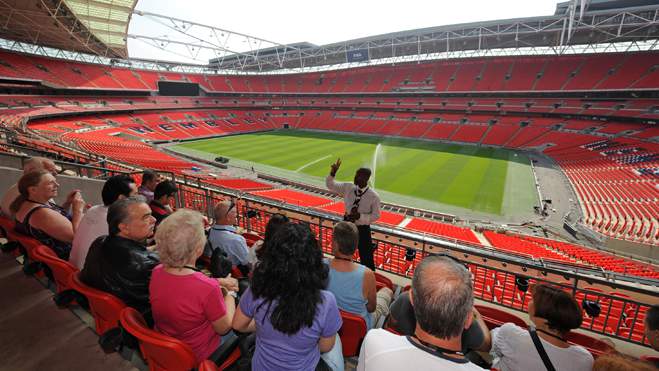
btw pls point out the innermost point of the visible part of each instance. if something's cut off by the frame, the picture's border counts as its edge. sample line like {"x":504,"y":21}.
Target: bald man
{"x":29,"y":165}
{"x":224,"y":235}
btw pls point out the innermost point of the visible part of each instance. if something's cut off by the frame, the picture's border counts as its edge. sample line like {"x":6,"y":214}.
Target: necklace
{"x":188,"y":267}
{"x":193,"y":268}
{"x":35,"y":202}
{"x":342,"y":258}
{"x":552,"y":335}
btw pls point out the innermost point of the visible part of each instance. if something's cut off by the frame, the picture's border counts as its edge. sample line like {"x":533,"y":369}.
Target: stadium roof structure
{"x":96,"y":31}
{"x":89,"y":26}
{"x":577,"y":25}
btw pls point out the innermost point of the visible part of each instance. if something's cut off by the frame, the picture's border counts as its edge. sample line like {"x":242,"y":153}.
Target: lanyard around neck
{"x":434,"y":349}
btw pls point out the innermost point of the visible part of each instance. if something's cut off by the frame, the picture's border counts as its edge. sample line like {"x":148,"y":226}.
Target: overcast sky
{"x":318,"y":22}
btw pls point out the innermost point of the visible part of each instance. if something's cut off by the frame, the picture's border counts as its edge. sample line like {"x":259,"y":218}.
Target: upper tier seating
{"x":530,"y":73}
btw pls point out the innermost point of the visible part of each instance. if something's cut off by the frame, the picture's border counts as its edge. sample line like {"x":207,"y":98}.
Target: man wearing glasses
{"x":362,"y":207}
{"x":224,"y":235}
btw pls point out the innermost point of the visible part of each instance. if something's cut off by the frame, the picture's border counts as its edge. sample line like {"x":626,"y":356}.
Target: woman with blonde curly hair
{"x":187,"y":304}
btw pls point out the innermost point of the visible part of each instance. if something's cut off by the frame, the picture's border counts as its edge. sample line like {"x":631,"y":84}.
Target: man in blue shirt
{"x":223,"y":235}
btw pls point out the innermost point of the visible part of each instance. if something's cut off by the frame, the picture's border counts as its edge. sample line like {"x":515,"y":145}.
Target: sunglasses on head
{"x":232,"y":205}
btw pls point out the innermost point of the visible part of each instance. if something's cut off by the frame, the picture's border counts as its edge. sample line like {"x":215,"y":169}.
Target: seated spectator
{"x":402,"y":320}
{"x":443,"y":306}
{"x":37,"y":216}
{"x":30,"y":165}
{"x":223,"y":235}
{"x":352,"y":284}
{"x":94,"y":223}
{"x":620,"y":362}
{"x":294,"y":318}
{"x":274,"y":224}
{"x":120,"y":263}
{"x":150,"y":180}
{"x":186,"y":304}
{"x":652,"y":326}
{"x":164,"y":193}
{"x":553,"y":313}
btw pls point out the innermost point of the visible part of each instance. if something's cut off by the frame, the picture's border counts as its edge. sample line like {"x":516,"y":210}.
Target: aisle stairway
{"x":36,"y":335}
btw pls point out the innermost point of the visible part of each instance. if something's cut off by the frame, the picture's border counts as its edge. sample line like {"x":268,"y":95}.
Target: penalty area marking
{"x":311,"y":163}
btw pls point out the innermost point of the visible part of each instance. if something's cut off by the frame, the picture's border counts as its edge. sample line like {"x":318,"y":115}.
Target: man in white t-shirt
{"x":443,"y":302}
{"x":94,"y":223}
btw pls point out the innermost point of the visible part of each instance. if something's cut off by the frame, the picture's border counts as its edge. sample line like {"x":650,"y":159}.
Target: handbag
{"x":220,"y":265}
{"x":114,"y":340}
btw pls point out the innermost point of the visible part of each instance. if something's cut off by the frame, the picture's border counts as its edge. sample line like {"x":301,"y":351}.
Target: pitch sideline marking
{"x":311,"y":163}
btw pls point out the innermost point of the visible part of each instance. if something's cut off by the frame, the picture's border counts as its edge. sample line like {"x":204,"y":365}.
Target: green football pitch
{"x":488,"y":180}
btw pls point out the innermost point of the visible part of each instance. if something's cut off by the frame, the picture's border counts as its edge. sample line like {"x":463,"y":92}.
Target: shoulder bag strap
{"x":541,"y":350}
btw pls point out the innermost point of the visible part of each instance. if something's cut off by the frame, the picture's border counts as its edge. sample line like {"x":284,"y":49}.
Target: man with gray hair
{"x":224,"y":235}
{"x":443,"y":302}
{"x":120,"y":263}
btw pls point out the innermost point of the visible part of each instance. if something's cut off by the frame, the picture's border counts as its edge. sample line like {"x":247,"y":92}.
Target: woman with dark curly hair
{"x":274,"y":225}
{"x":294,"y":318}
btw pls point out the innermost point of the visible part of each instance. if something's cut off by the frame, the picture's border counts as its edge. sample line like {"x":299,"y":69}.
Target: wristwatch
{"x":226,"y":292}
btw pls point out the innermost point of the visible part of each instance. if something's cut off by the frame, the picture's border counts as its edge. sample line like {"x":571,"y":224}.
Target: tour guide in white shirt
{"x":362,"y":207}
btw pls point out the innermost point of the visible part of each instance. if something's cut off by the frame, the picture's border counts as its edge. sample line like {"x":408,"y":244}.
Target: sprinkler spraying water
{"x":374,"y":165}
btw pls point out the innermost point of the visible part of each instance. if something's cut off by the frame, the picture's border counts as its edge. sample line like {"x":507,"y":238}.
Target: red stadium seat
{"x":494,"y":317}
{"x":207,"y":365}
{"x":594,"y":346}
{"x":251,"y":238}
{"x":653,"y":359}
{"x":61,"y":269}
{"x":105,"y":308}
{"x":352,"y":333}
{"x":382,"y":281}
{"x":160,"y":351}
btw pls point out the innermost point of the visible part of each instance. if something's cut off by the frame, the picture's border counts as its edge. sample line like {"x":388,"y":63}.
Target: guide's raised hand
{"x":335,"y":167}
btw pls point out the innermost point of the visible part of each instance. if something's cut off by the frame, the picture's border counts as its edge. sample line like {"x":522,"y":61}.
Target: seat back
{"x":594,"y":346}
{"x":494,"y":317}
{"x":251,"y":238}
{"x":104,"y":306}
{"x":352,"y":333}
{"x":207,"y":365}
{"x":654,"y":359}
{"x":61,"y":269}
{"x":160,"y":351}
{"x":7,"y":227}
{"x":28,"y":243}
{"x":382,"y":281}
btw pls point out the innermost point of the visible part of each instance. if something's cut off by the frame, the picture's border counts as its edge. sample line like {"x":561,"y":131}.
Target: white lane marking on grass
{"x":311,"y":163}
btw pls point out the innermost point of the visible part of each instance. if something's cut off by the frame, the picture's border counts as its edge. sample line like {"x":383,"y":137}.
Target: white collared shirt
{"x":369,"y":205}
{"x":92,"y":225}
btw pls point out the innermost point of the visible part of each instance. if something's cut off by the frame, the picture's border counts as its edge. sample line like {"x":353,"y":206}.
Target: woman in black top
{"x":37,"y":216}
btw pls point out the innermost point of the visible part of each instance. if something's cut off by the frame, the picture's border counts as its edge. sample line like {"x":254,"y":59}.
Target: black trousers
{"x":366,"y":246}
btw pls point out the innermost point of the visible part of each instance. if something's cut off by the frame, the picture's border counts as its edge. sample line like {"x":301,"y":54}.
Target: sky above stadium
{"x":316,"y":22}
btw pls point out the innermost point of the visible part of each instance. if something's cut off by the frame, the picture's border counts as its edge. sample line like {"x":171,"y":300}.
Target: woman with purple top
{"x":294,"y":318}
